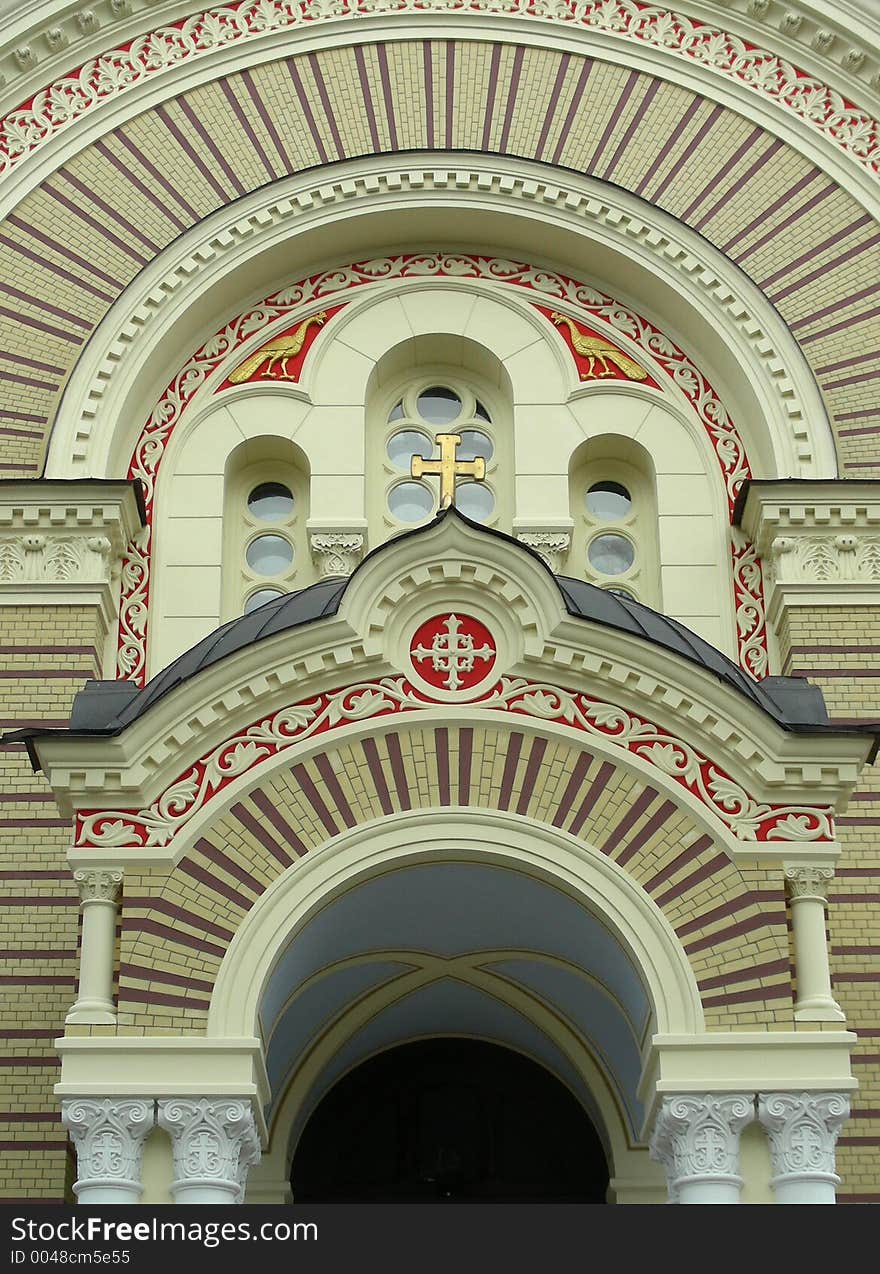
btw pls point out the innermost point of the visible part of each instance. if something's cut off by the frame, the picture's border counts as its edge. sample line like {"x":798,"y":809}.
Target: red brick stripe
{"x":760,"y":996}
{"x":129,"y":994}
{"x":716,"y":864}
{"x":222,"y":860}
{"x":511,"y":761}
{"x":173,"y":935}
{"x":32,"y":1145}
{"x":441,"y":755}
{"x":530,"y":780}
{"x":216,"y":885}
{"x":31,"y":1116}
{"x":29,"y":900}
{"x":653,"y":825}
{"x":176,"y":912}
{"x":334,"y":787}
{"x":162,"y":975}
{"x":578,"y":774}
{"x":681,"y":860}
{"x":873,"y":898}
{"x":260,"y":833}
{"x":594,"y":791}
{"x":37,"y":979}
{"x":398,"y":770}
{"x":721,"y":936}
{"x":31,"y":1063}
{"x":288,"y":835}
{"x":314,"y":798}
{"x":465,"y":760}
{"x":374,"y":765}
{"x":631,"y":817}
{"x":755,"y":971}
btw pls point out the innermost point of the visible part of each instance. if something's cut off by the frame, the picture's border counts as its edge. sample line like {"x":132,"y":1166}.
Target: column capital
{"x":98,"y":884}
{"x":336,"y":552}
{"x":696,"y":1139}
{"x":215,"y":1142}
{"x":802,"y":1129}
{"x":109,"y":1138}
{"x":552,"y":544}
{"x":808,"y":880}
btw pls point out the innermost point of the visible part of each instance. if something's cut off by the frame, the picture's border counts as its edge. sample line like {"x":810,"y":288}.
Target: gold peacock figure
{"x":599,"y":353}
{"x":276,"y":352}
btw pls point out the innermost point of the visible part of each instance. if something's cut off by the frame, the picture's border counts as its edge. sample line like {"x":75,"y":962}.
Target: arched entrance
{"x":456,"y":1120}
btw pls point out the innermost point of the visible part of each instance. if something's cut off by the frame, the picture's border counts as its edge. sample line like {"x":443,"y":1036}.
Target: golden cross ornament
{"x":448,"y":468}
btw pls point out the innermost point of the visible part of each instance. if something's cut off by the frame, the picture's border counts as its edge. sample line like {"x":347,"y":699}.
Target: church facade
{"x":439,"y":602}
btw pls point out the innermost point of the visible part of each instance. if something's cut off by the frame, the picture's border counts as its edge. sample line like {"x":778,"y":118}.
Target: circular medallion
{"x":453,"y":652}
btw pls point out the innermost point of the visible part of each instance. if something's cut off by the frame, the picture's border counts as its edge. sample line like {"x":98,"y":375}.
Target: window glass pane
{"x":260,"y":598}
{"x":406,"y":444}
{"x":396,"y":412}
{"x":609,"y":501}
{"x":482,"y":414}
{"x":475,"y":501}
{"x":411,"y":501}
{"x":473,"y":444}
{"x":439,"y":406}
{"x":271,"y":501}
{"x":611,"y":554}
{"x":269,"y":554}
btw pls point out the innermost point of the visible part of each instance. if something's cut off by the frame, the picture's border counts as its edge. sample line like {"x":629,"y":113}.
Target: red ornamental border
{"x":118,"y":69}
{"x":314,"y":293}
{"x":197,"y":787}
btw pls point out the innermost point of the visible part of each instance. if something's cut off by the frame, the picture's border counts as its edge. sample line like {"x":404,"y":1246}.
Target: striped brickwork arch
{"x":731,"y":920}
{"x":804,"y":241}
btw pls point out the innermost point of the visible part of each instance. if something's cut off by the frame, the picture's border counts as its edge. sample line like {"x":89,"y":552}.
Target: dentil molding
{"x":53,"y":103}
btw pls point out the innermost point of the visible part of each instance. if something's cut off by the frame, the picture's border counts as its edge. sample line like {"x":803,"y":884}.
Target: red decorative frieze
{"x":201,"y":784}
{"x":453,"y":652}
{"x":309,"y":295}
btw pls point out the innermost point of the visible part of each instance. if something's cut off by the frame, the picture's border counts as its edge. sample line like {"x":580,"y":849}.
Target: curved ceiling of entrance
{"x":449,"y":942}
{"x":810,"y":246}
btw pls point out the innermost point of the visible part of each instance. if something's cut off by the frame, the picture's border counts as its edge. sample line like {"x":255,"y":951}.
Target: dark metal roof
{"x":108,"y":707}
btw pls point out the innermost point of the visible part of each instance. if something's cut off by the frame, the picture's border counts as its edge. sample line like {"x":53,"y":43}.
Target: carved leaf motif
{"x":62,"y":560}
{"x":113,"y":834}
{"x":669,"y":758}
{"x":11,"y":562}
{"x":799,"y":827}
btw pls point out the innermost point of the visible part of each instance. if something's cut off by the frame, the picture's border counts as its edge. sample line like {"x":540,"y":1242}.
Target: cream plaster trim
{"x":803,"y":110}
{"x":546,"y":854}
{"x":773,"y":368}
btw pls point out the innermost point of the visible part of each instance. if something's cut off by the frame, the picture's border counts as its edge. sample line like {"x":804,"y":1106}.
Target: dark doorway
{"x":449,"y":1120}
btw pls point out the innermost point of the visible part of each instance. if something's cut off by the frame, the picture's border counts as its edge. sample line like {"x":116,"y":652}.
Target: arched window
{"x":614,"y":510}
{"x":266,"y":508}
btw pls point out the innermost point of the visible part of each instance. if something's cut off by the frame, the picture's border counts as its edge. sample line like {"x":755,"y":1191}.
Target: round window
{"x":410,"y":501}
{"x":271,"y":502}
{"x":608,"y":501}
{"x":438,"y":406}
{"x":475,"y":501}
{"x":406,"y":444}
{"x":260,"y":598}
{"x":474,"y":444}
{"x":611,"y":554}
{"x":269,"y":554}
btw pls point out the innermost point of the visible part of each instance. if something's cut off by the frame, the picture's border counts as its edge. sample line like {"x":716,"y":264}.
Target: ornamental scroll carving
{"x":46,"y":558}
{"x":98,"y":885}
{"x":118,"y":70}
{"x":808,"y":881}
{"x":697,"y":1135}
{"x":849,"y":557}
{"x":540,"y":286}
{"x":109,"y":1137}
{"x":336,"y":552}
{"x":551,"y":546}
{"x":214,"y":1141}
{"x":802,"y":1129}
{"x":158,"y":823}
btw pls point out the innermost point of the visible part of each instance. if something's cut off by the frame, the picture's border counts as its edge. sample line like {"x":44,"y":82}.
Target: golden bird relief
{"x":276,"y":352}
{"x":599,"y":353}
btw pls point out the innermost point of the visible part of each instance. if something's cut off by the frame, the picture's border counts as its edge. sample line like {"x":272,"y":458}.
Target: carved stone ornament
{"x":54,"y":558}
{"x":696,"y":1137}
{"x":109,"y":1139}
{"x":98,"y":885}
{"x":214,"y":1143}
{"x":802,"y":1129}
{"x":850,"y":557}
{"x":336,"y":552}
{"x":552,"y":546}
{"x":808,"y":881}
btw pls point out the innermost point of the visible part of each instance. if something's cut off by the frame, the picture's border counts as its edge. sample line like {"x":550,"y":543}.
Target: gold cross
{"x":448,"y":467}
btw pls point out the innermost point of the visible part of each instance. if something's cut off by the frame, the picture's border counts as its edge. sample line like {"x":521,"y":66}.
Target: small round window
{"x":269,"y":554}
{"x":438,"y":406}
{"x":260,"y":598}
{"x":475,"y":501}
{"x":474,"y":445}
{"x":608,"y":501}
{"x":407,"y":443}
{"x":611,"y":554}
{"x":410,"y":502}
{"x":271,"y":502}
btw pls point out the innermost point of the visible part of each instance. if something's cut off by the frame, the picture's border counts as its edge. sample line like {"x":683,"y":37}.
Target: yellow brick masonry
{"x":838,"y":648}
{"x":46,"y":653}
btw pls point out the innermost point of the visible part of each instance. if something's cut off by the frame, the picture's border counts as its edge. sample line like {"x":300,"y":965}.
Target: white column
{"x":696,"y":1138}
{"x":109,"y":1139}
{"x":214,"y":1143}
{"x":807,"y":889}
{"x":98,"y":890}
{"x":802,"y":1129}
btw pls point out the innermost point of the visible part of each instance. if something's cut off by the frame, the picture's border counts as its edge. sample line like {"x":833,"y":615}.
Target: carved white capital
{"x":214,"y":1143}
{"x":63,"y":536}
{"x":109,"y":1139}
{"x":98,"y":884}
{"x":808,"y":880}
{"x":551,"y":545}
{"x":336,"y":552}
{"x":696,"y":1138}
{"x":802,"y":1129}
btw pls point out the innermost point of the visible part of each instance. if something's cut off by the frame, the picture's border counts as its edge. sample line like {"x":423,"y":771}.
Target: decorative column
{"x":109,"y":1139}
{"x":807,"y":890}
{"x":696,"y":1138}
{"x":336,"y":551}
{"x":214,"y":1143}
{"x":98,"y":891}
{"x":802,"y":1129}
